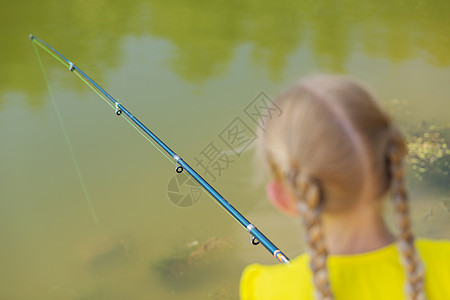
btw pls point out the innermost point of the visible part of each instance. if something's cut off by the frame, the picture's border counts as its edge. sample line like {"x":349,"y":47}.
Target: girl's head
{"x":335,"y":148}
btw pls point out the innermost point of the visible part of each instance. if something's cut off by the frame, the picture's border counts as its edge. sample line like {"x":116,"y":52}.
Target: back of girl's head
{"x":334,"y":145}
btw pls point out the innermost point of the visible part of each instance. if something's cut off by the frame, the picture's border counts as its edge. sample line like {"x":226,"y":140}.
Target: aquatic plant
{"x":187,"y":258}
{"x":428,"y":146}
{"x":429,"y":153}
{"x":103,"y":252}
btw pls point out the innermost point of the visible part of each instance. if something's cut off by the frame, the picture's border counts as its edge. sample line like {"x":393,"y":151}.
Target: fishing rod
{"x":256,"y":236}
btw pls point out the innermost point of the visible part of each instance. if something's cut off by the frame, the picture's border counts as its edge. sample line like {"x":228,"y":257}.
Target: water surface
{"x":187,"y":70}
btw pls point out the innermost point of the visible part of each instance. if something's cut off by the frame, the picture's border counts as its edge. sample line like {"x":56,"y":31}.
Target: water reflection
{"x":103,"y":252}
{"x":206,"y":34}
{"x":429,"y":153}
{"x":185,"y":266}
{"x":428,"y":147}
{"x":253,"y":46}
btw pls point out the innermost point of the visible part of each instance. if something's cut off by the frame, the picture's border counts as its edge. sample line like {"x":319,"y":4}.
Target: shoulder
{"x":270,"y":281}
{"x":433,"y":247}
{"x":435,"y":255}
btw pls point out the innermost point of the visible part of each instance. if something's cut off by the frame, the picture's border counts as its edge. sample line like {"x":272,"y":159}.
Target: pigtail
{"x":308,"y":194}
{"x":414,"y":286}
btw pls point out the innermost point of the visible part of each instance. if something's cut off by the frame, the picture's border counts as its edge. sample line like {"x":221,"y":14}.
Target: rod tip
{"x":31,"y":36}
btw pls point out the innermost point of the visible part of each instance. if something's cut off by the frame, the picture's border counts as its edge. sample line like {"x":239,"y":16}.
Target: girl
{"x":335,"y":155}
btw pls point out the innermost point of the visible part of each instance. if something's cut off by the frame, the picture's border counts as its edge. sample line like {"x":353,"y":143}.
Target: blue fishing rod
{"x":256,"y":235}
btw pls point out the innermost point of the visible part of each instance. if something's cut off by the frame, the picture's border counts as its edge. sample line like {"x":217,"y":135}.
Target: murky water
{"x":187,"y":70}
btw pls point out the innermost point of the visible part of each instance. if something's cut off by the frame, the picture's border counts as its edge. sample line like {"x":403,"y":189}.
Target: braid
{"x":414,"y":285}
{"x":308,"y":194}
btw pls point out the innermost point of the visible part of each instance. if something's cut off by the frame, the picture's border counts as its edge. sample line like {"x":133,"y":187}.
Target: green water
{"x":187,"y":70}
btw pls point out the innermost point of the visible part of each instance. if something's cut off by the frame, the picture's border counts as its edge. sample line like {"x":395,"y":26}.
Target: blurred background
{"x":187,"y":69}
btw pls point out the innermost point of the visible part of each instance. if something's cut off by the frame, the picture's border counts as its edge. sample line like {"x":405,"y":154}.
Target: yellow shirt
{"x":367,"y":276}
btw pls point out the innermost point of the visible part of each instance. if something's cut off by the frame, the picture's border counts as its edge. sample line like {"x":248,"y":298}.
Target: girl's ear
{"x":280,"y":197}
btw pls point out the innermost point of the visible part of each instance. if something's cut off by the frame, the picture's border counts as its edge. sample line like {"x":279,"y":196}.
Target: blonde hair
{"x":333,"y":139}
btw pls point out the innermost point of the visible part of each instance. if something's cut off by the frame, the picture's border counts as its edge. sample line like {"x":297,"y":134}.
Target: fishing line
{"x":67,"y":139}
{"x":128,"y":121}
{"x":257,"y":236}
